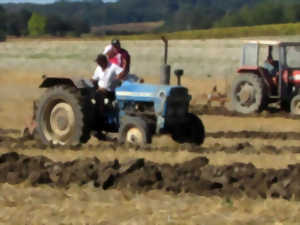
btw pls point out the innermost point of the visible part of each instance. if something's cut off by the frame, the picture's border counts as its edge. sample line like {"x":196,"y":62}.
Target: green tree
{"x":37,"y":24}
{"x":2,"y":24}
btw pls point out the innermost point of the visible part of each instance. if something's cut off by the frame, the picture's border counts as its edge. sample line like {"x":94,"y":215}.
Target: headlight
{"x":162,"y":95}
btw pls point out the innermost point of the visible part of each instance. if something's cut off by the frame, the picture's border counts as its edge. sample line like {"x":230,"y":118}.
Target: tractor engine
{"x":158,"y":104}
{"x":163,"y":110}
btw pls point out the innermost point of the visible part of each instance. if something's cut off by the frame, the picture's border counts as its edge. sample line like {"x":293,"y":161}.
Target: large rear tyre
{"x":248,"y":94}
{"x":62,"y":117}
{"x":134,"y":130}
{"x":295,"y":105}
{"x":192,"y":131}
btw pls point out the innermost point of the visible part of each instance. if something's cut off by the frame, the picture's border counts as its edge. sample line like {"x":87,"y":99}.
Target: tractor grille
{"x":177,"y":103}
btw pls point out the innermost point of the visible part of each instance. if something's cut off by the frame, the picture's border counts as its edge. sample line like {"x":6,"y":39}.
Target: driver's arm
{"x":95,"y":78}
{"x":120,"y":72}
{"x":121,"y":75}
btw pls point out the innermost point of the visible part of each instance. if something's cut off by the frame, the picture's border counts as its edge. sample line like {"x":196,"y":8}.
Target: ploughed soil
{"x":196,"y":176}
{"x":255,"y":134}
{"x":7,"y":140}
{"x":205,"y":109}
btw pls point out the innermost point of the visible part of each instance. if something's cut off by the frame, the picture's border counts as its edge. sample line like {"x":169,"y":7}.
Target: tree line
{"x":260,"y":13}
{"x":264,"y":13}
{"x":24,"y":22}
{"x":74,"y":18}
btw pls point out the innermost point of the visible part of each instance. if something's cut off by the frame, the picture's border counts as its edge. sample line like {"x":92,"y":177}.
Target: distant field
{"x":22,"y":62}
{"x":236,"y":32}
{"x":129,"y":27}
{"x":216,"y":33}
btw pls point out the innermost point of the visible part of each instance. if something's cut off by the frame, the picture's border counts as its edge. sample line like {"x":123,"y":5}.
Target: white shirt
{"x":106,"y":78}
{"x":107,"y":49}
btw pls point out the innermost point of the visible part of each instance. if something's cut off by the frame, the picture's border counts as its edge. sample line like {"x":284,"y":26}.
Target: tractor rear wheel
{"x":248,"y":94}
{"x":62,"y":117}
{"x":295,"y":105}
{"x":134,"y":130}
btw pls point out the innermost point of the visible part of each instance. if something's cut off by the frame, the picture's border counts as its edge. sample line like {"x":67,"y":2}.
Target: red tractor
{"x":269,"y":72}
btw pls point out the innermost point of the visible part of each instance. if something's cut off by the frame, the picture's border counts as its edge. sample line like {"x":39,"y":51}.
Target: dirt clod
{"x":196,"y":176}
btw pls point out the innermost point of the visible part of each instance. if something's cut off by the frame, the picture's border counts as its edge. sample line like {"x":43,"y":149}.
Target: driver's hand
{"x":117,"y":81}
{"x":102,"y":90}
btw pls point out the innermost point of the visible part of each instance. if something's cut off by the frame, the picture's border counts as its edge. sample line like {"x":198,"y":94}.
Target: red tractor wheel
{"x":248,"y":94}
{"x":295,"y":105}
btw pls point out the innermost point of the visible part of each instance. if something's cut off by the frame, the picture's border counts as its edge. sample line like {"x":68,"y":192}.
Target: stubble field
{"x":270,"y":143}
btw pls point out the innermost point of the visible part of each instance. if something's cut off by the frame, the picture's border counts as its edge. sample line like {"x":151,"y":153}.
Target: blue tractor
{"x":67,"y":113}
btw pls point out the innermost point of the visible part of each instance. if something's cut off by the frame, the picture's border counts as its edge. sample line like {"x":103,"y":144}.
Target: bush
{"x":37,"y":25}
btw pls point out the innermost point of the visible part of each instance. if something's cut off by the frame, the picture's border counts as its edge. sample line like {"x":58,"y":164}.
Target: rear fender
{"x":249,"y":69}
{"x":53,"y":81}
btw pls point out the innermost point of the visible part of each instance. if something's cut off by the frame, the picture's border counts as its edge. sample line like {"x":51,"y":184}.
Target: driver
{"x":270,"y":65}
{"x":113,"y":57}
{"x":123,"y":55}
{"x":107,"y":76}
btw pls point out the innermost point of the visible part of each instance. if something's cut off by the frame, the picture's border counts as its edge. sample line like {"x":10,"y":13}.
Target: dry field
{"x":129,"y":27}
{"x":206,"y":63}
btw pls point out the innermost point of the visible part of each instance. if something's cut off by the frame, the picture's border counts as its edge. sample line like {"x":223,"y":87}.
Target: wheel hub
{"x":62,"y":119}
{"x":134,"y":136}
{"x":60,"y":123}
{"x":246,"y":94}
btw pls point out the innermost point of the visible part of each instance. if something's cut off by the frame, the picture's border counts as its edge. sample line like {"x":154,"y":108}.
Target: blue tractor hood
{"x":143,"y":92}
{"x":131,"y":93}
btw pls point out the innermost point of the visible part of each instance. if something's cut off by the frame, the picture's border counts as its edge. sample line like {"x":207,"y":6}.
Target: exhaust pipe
{"x":165,"y":68}
{"x":178,"y":74}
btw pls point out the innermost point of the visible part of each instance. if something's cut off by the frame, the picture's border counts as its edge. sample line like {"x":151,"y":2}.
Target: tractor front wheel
{"x":248,"y":94}
{"x":192,"y":131}
{"x":134,"y":130}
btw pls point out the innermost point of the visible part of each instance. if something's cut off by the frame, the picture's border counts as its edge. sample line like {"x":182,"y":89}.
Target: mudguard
{"x":75,"y":82}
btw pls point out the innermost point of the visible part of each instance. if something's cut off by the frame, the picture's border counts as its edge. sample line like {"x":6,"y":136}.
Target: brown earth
{"x":196,"y":176}
{"x":25,"y":143}
{"x":204,"y":109}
